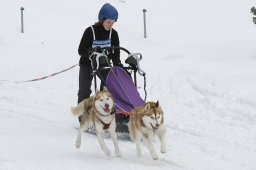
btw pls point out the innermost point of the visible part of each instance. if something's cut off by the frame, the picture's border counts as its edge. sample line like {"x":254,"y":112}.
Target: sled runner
{"x":121,"y":82}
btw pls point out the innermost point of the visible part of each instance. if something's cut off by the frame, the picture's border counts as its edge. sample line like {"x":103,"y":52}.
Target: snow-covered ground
{"x":199,"y":57}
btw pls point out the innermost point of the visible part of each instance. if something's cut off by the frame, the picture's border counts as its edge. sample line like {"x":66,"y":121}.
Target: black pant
{"x":85,"y":82}
{"x":102,"y":74}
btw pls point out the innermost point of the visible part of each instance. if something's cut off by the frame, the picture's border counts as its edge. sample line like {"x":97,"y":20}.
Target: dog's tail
{"x":78,"y":110}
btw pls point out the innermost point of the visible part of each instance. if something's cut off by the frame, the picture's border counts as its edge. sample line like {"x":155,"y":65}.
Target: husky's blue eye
{"x":107,"y":98}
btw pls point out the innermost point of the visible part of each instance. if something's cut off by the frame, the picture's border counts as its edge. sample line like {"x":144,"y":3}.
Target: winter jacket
{"x":85,"y":45}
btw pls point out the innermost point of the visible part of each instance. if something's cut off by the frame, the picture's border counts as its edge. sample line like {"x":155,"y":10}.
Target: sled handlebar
{"x":133,"y":59}
{"x":120,"y":48}
{"x":125,"y":50}
{"x":136,"y":57}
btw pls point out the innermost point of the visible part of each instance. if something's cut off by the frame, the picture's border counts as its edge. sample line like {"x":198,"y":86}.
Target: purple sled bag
{"x":123,"y":90}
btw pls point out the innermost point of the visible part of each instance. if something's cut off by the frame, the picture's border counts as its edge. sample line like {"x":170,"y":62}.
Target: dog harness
{"x":105,"y":125}
{"x":101,"y":43}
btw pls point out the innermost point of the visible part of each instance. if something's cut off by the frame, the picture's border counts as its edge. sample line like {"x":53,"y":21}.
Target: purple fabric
{"x":123,"y":90}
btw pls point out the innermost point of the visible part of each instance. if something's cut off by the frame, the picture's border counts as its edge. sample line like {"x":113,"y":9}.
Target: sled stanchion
{"x":95,"y":82}
{"x":135,"y":78}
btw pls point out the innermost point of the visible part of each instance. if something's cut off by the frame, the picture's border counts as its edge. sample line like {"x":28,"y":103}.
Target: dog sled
{"x":121,"y":82}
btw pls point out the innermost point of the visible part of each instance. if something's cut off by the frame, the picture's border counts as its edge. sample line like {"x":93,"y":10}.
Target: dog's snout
{"x":106,"y":105}
{"x":157,"y":125}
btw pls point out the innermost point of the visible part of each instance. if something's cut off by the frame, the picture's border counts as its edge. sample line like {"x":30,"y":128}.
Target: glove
{"x":131,"y":61}
{"x":97,"y":49}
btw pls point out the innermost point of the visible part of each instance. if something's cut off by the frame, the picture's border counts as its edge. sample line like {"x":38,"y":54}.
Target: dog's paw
{"x":107,"y":152}
{"x":78,"y":144}
{"x":163,"y":150}
{"x":155,"y":157}
{"x":139,"y":154}
{"x":118,"y":154}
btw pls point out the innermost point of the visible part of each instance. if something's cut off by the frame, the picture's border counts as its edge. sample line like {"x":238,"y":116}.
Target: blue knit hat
{"x":107,"y":11}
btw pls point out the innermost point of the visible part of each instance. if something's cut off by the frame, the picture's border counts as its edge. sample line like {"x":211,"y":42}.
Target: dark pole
{"x":95,"y":82}
{"x":22,"y":21}
{"x":144,"y":18}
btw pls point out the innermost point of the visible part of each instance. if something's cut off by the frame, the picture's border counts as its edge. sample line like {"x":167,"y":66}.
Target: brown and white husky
{"x":145,"y":122}
{"x":99,"y":110}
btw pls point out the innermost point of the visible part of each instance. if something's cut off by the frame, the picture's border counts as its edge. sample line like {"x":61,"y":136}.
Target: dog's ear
{"x":105,"y":89}
{"x":147,"y":107}
{"x":157,"y":103}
